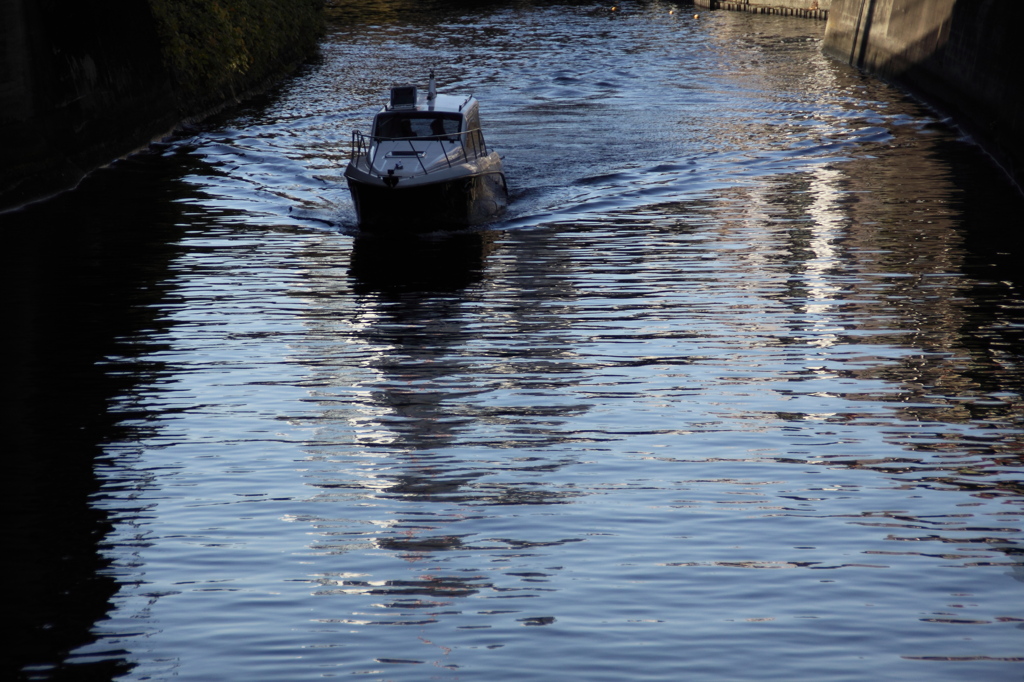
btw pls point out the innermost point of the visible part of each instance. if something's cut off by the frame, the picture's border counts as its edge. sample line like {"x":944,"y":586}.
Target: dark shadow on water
{"x":441,"y":262}
{"x":80,"y":275}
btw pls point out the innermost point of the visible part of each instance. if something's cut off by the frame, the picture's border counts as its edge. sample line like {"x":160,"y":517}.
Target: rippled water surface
{"x":732,"y":392}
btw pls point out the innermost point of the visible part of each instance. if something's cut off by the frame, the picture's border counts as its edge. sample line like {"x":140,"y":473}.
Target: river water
{"x":732,"y":392}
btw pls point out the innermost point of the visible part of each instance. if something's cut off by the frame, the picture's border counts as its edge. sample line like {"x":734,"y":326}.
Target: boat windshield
{"x":419,"y":124}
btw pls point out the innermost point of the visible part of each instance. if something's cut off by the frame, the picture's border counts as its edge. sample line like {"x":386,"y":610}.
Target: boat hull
{"x":426,"y":204}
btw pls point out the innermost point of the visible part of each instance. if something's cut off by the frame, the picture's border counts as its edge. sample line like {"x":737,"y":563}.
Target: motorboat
{"x":424,"y":166}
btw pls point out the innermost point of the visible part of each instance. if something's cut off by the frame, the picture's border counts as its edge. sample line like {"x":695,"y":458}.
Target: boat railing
{"x":471,"y":142}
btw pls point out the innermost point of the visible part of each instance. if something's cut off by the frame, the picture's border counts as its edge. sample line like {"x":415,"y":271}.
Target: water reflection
{"x":438,"y":399}
{"x":442,"y":262}
{"x":720,"y":384}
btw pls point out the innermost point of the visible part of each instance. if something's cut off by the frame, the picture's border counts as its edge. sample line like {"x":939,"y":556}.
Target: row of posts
{"x":745,"y":6}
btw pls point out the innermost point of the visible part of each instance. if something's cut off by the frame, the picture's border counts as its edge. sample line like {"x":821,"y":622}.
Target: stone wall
{"x":75,"y":77}
{"x":959,"y":55}
{"x":82,"y":84}
{"x":811,"y":9}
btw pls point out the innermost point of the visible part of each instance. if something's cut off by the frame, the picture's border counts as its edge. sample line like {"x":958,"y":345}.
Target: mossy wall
{"x":82,"y":84}
{"x":218,"y":50}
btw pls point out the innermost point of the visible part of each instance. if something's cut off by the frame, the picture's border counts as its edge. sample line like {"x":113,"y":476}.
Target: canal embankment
{"x":811,"y":9}
{"x":83,"y":85}
{"x":961,"y":57}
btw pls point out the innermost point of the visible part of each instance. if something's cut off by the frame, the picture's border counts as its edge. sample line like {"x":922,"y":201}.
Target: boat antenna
{"x":432,"y":87}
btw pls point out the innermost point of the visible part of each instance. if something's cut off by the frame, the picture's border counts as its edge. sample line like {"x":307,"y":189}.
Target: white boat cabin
{"x":424,"y":166}
{"x":420,"y":134}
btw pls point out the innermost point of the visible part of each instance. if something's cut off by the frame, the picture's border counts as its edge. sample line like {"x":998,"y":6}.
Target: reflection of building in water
{"x":870,"y":255}
{"x":864,"y":284}
{"x":875,"y":245}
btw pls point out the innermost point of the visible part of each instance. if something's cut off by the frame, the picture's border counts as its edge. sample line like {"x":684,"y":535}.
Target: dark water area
{"x":733,"y":391}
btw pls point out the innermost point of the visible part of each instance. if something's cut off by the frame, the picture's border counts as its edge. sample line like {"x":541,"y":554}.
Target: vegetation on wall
{"x":218,"y":50}
{"x":84,"y":83}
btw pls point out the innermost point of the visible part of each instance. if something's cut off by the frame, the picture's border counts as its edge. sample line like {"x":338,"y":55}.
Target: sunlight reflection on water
{"x":726,"y":396}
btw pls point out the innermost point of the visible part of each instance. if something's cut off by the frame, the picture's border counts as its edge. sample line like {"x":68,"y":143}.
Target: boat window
{"x":428,"y":125}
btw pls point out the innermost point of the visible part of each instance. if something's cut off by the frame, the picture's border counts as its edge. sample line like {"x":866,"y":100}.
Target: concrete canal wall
{"x":84,"y":83}
{"x":811,"y":9}
{"x":961,"y":56}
